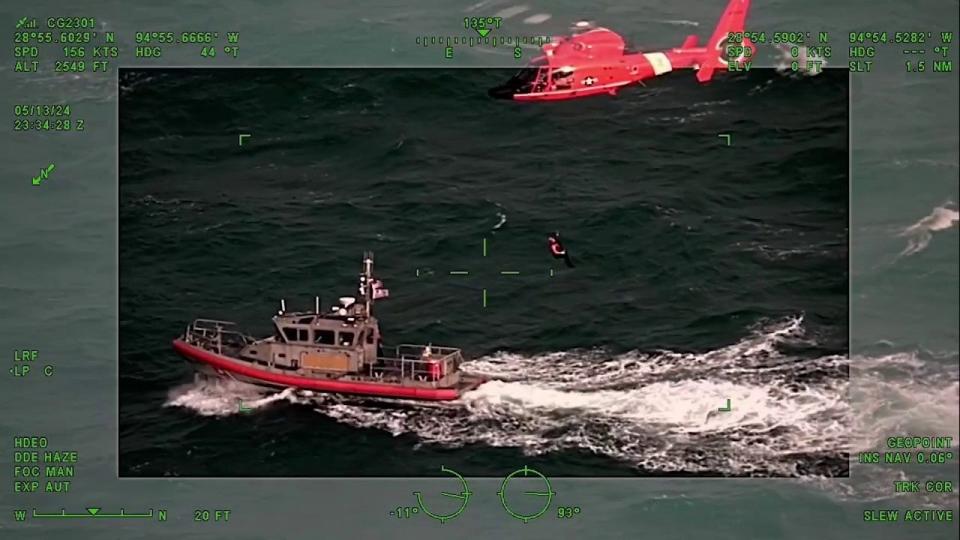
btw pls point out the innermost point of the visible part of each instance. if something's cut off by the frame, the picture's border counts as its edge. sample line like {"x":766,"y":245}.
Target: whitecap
{"x":920,"y":233}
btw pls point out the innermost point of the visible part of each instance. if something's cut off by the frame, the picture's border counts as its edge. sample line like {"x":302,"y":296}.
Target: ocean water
{"x":703,"y":272}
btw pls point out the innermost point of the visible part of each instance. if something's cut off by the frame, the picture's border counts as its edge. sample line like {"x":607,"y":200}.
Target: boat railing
{"x":410,"y":362}
{"x":213,"y":335}
{"x":212,"y":322}
{"x":419,"y":351}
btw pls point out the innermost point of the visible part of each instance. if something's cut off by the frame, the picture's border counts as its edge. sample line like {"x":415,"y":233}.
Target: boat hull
{"x":226,"y":366}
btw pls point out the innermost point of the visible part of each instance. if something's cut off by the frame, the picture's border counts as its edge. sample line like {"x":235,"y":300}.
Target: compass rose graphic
{"x":546,"y":494}
{"x":463,"y":496}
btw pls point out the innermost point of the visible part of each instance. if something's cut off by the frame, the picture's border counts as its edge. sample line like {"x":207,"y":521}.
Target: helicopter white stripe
{"x":661,"y":64}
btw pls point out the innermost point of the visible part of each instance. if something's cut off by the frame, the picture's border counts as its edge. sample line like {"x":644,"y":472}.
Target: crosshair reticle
{"x":546,"y":494}
{"x":428,"y":272}
{"x":463,"y":497}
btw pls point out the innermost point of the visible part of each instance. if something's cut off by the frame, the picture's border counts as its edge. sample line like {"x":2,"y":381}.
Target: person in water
{"x":557,"y":250}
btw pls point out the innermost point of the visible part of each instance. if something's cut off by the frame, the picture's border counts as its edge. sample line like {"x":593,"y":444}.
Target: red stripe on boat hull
{"x":342,"y":387}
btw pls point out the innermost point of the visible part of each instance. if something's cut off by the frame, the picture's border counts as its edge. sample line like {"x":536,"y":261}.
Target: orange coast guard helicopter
{"x":597,"y":61}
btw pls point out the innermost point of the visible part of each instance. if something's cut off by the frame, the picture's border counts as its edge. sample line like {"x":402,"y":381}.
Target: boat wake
{"x":659,"y":413}
{"x":656,"y":412}
{"x":920,"y":233}
{"x":903,"y":393}
{"x":224,"y":397}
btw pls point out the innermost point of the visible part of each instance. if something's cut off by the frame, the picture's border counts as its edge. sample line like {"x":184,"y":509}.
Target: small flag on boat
{"x":378,"y":290}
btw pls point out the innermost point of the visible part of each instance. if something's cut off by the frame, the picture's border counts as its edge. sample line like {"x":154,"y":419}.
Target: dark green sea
{"x":703,"y":272}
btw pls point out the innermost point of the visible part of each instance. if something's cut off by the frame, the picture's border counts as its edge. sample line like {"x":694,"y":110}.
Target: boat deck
{"x":412,"y":370}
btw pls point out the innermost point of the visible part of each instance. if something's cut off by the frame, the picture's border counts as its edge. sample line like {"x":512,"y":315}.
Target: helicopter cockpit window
{"x":562,"y":77}
{"x":527,"y":75}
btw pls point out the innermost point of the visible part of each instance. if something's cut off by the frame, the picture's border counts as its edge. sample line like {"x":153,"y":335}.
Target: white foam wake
{"x":224,"y":397}
{"x":689,"y":406}
{"x":666,"y":418}
{"x":898,"y":394}
{"x":902,"y":394}
{"x":920,"y":233}
{"x":595,"y":370}
{"x":659,"y":411}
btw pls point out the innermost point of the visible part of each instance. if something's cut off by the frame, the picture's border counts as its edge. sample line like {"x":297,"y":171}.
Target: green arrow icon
{"x":44,"y":174}
{"x":93,"y":510}
{"x":483,"y":31}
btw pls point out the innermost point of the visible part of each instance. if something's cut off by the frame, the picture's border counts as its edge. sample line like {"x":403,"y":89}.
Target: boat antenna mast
{"x":366,"y":283}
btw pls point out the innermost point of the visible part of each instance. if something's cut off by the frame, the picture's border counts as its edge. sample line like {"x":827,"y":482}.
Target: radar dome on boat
{"x":347,"y":301}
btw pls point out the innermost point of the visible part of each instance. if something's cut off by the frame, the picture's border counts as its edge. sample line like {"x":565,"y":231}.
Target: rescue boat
{"x":335,"y":351}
